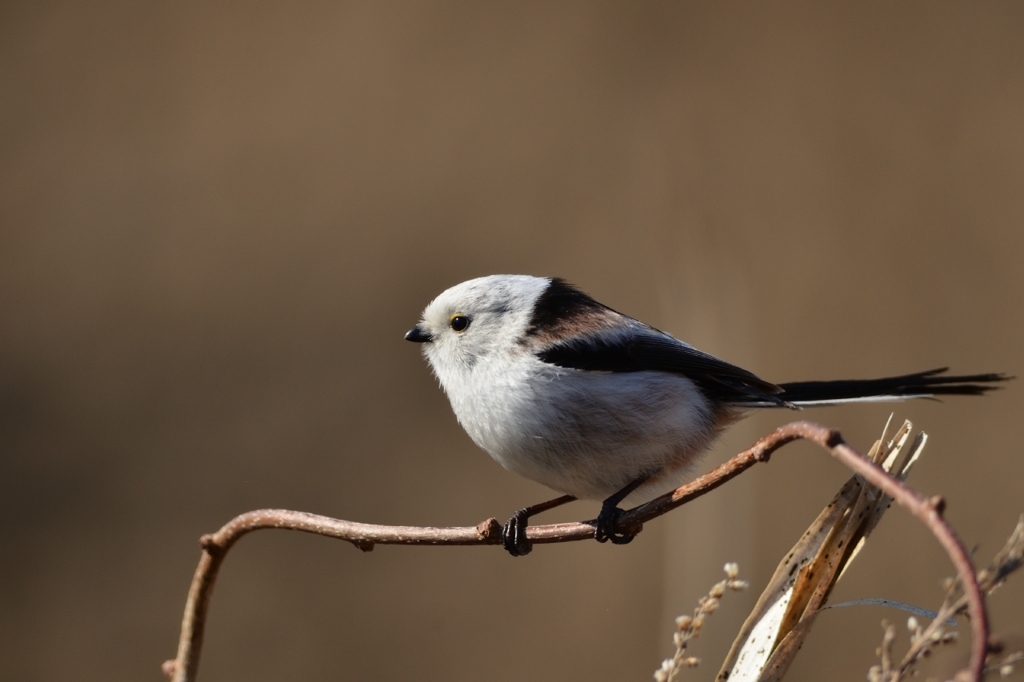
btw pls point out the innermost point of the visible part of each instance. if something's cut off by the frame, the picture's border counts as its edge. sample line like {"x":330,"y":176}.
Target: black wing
{"x":642,"y":348}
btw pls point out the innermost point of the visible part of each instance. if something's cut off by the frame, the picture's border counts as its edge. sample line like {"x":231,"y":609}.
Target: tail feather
{"x":929,"y":384}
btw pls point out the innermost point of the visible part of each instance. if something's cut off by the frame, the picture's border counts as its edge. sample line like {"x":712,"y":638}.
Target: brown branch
{"x":364,"y":536}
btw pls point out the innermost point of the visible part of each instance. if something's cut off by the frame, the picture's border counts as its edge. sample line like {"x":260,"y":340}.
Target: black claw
{"x":610,"y":514}
{"x":513,"y":534}
{"x":606,"y":522}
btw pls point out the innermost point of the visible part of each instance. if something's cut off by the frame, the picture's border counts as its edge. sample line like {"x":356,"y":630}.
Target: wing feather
{"x":637,"y":347}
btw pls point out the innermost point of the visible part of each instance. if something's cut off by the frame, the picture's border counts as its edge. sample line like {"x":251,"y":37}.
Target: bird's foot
{"x":606,"y":522}
{"x":513,"y":534}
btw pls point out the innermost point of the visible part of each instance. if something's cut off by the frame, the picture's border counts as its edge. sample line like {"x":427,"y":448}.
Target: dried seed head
{"x":732,"y":570}
{"x":684,"y":622}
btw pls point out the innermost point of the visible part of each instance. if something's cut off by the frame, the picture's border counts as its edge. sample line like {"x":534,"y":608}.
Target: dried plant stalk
{"x":776,"y":628}
{"x":689,"y":627}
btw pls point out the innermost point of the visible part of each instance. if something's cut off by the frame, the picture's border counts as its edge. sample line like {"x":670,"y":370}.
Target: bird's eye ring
{"x":459,"y":322}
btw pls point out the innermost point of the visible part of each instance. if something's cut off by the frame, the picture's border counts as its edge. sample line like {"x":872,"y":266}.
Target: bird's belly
{"x":590,"y":434}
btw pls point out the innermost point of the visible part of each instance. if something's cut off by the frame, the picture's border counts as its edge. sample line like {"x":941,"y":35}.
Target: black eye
{"x":459,"y":322}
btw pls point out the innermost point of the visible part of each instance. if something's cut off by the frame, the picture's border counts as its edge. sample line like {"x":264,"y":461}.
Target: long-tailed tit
{"x":569,"y":393}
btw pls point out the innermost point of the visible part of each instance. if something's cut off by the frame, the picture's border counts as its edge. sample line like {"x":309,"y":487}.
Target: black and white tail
{"x":930,"y":384}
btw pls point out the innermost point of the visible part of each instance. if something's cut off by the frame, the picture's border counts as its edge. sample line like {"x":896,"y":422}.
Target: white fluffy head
{"x":498,"y":308}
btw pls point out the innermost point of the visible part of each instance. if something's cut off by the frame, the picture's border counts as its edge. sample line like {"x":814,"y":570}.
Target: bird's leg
{"x":610,"y":514}
{"x":513,"y":533}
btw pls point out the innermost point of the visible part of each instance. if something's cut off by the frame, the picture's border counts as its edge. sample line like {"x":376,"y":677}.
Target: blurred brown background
{"x":218,"y":220}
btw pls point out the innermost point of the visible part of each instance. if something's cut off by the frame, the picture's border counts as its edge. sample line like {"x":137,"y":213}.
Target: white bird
{"x":596,"y":405}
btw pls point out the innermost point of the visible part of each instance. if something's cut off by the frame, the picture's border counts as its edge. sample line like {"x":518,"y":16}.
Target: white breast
{"x":588,"y":434}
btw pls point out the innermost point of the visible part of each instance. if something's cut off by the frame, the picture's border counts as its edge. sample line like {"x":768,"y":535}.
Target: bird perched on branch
{"x":569,"y":393}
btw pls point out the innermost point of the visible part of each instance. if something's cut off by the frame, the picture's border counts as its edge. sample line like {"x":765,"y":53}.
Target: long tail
{"x":927,"y":384}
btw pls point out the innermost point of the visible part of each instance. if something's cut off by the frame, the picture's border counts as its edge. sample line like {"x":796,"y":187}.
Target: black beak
{"x":418,"y":335}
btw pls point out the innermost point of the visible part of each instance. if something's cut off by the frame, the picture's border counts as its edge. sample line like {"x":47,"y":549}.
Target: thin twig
{"x":689,"y":627}
{"x":1006,"y":561}
{"x":184,"y":667}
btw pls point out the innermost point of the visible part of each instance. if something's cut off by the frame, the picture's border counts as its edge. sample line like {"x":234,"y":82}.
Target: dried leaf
{"x":782,"y":617}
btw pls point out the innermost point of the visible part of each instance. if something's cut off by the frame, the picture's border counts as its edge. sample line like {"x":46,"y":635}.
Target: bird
{"x":594,"y":404}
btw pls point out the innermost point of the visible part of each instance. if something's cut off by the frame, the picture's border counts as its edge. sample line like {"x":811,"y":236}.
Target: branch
{"x":364,"y":536}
